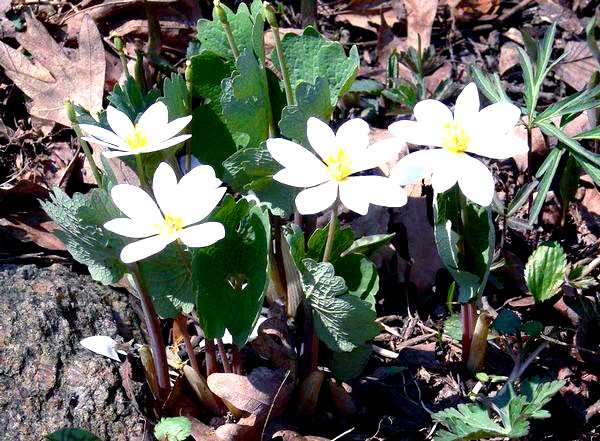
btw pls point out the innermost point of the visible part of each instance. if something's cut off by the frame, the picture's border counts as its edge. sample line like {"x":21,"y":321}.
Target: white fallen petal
{"x":316,"y":199}
{"x":102,"y":345}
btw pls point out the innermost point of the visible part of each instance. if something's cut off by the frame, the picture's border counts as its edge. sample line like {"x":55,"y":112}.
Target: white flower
{"x":181,"y":205}
{"x":486,"y":132}
{"x":341,"y":155}
{"x":152,"y":132}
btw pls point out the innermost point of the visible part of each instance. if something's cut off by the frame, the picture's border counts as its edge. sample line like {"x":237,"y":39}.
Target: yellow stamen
{"x":339,"y":165}
{"x":137,"y":139}
{"x":170,"y":226}
{"x":455,"y":138}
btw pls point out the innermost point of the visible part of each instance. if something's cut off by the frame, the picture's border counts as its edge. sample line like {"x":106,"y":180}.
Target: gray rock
{"x":47,"y":379}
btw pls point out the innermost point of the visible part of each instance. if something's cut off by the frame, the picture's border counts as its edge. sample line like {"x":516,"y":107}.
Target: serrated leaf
{"x":342,"y":322}
{"x":129,"y":98}
{"x":245,"y":100}
{"x":310,"y":101}
{"x":545,"y":271}
{"x":173,"y":429}
{"x":72,"y":434}
{"x":80,"y":219}
{"x":175,"y":96}
{"x":230,"y":277}
{"x":310,"y":56}
{"x":212,"y":37}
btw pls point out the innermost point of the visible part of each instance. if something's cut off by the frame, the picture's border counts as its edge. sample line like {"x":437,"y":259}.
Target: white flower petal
{"x":116,"y":153}
{"x":417,"y":133}
{"x":136,"y":204}
{"x":200,"y":178}
{"x":354,"y":195}
{"x":432,"y":113}
{"x":120,"y":147}
{"x":195,"y":209}
{"x":292,"y":155}
{"x":443,"y":178}
{"x":119,"y":122}
{"x":416,"y":166}
{"x":174,"y":127}
{"x":144,"y":248}
{"x":101,"y":134}
{"x":102,"y":345}
{"x":378,"y":154}
{"x":164,"y":187}
{"x":154,"y":119}
{"x":467,"y":104}
{"x":316,"y":199}
{"x":298,"y":177}
{"x":476,"y":181}
{"x":165,"y":144}
{"x":353,"y":135}
{"x":321,"y":137}
{"x":202,"y":235}
{"x":130,"y":228}
{"x":498,"y":118}
{"x":498,"y":147}
{"x":381,"y":191}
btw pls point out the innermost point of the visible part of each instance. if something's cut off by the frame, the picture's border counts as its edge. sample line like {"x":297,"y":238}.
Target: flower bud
{"x":269,"y":14}
{"x":220,"y":11}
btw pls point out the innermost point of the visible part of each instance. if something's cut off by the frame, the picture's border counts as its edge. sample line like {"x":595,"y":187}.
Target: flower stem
{"x":211,"y":357}
{"x":159,"y":354}
{"x":226,"y":28}
{"x":188,"y":143}
{"x":84,"y":145}
{"x":223,"y":355}
{"x":330,"y":233}
{"x":180,"y":324}
{"x":140,"y":171}
{"x":287,"y":85}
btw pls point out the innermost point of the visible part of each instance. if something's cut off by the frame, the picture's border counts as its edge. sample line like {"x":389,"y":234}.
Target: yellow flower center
{"x":170,"y":226}
{"x":455,"y":139}
{"x":339,"y":165}
{"x":137,"y":139}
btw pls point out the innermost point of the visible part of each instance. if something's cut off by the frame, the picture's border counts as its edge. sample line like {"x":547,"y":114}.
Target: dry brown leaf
{"x":290,"y":435}
{"x":419,"y":20}
{"x":591,"y":201}
{"x":509,"y":57}
{"x":368,"y":20}
{"x":578,"y":65}
{"x":53,"y":78}
{"x":467,"y":10}
{"x":253,"y":394}
{"x":553,"y":12}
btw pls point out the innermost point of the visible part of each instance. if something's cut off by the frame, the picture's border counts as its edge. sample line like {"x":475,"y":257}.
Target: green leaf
{"x":175,"y":96}
{"x":212,"y":37}
{"x":167,"y":277}
{"x":530,"y":89}
{"x":310,"y":56}
{"x":230,"y":277}
{"x":532,"y":328}
{"x":72,"y":435}
{"x":343,"y":238}
{"x":130,"y":99}
{"x":569,"y":181}
{"x":173,"y":429}
{"x":520,"y":198}
{"x":507,"y":322}
{"x":545,"y":271}
{"x":466,"y":246}
{"x":589,"y":134}
{"x":367,"y":86}
{"x":252,"y":169}
{"x":245,"y":100}
{"x":576,"y":148}
{"x":80,"y":219}
{"x":546,"y":173}
{"x":360,"y":275}
{"x":342,"y":322}
{"x":368,"y":245}
{"x":489,"y":85}
{"x":348,"y":365}
{"x":205,"y":73}
{"x":576,"y":103}
{"x":310,"y":101}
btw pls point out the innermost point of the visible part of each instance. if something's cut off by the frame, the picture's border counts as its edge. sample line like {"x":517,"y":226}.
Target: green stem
{"x":330,"y":233}
{"x":84,"y":145}
{"x":189,"y":97}
{"x":227,"y":28}
{"x":287,"y":85}
{"x":140,"y":171}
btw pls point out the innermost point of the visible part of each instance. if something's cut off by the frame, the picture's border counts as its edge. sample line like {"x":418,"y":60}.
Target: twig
{"x":287,"y":374}
{"x":343,"y":434}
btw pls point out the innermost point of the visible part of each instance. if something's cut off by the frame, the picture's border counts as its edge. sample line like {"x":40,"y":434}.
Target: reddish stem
{"x":467,"y":312}
{"x":236,"y":360}
{"x":181,"y":325}
{"x":223,"y":354}
{"x":211,"y":357}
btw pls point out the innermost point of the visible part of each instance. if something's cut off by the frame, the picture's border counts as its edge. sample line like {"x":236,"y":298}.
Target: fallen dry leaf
{"x":369,"y":20}
{"x":53,"y":78}
{"x":419,"y":20}
{"x":578,"y":65}
{"x":509,"y":57}
{"x":467,"y":10}
{"x":252,"y":394}
{"x":553,"y":12}
{"x":591,"y":201}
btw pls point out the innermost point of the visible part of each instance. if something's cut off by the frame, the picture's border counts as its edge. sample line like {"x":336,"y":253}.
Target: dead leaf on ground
{"x":509,"y":57}
{"x":252,"y":394}
{"x":553,"y":12}
{"x":369,"y":20}
{"x":202,"y":432}
{"x":578,"y":65}
{"x":290,"y":435}
{"x":467,"y":10}
{"x":53,"y":78}
{"x":420,"y":15}
{"x":591,"y":201}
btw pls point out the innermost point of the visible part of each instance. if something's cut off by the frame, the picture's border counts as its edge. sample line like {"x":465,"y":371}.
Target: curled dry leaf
{"x":53,"y":78}
{"x":252,"y":394}
{"x":578,"y":65}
